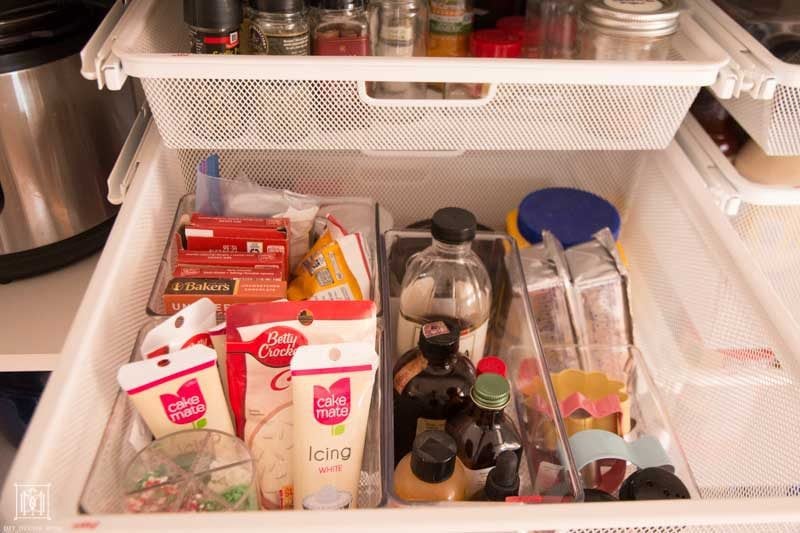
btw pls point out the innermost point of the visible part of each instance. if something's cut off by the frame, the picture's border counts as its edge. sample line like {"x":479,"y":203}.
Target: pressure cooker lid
{"x":34,"y":33}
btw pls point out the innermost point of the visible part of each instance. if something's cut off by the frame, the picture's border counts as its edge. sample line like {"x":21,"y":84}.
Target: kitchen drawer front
{"x":720,"y":351}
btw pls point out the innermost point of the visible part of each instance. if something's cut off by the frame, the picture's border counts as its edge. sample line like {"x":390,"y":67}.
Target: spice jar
{"x":485,"y":43}
{"x":450,"y":28}
{"x":628,"y":29}
{"x":279,"y":28}
{"x":342,"y":29}
{"x":558,"y":22}
{"x":399,"y":29}
{"x":213,"y":25}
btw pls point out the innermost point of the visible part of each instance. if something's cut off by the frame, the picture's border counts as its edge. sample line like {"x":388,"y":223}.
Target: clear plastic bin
{"x":511,"y":336}
{"x":126,"y":435}
{"x":625,"y":364}
{"x":364,"y":210}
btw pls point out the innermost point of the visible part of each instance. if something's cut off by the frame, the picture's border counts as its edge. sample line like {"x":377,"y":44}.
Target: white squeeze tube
{"x":331,"y":393}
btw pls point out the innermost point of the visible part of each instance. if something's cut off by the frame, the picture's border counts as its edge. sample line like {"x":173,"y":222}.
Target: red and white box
{"x":272,"y":272}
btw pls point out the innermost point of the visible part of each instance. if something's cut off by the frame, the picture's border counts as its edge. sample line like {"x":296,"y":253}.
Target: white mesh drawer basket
{"x":766,"y":217}
{"x":323,"y":103}
{"x":720,"y":352}
{"x":766,"y":99}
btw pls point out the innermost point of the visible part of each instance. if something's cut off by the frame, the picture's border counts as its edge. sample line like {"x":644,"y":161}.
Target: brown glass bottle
{"x":431,"y":384}
{"x":483,"y":431}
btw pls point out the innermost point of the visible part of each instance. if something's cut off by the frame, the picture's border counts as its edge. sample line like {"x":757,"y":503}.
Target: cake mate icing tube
{"x":331,"y":393}
{"x":177,"y":391}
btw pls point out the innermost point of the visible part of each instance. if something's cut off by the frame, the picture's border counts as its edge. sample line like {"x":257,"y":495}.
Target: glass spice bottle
{"x":213,"y":25}
{"x":399,"y":28}
{"x":431,"y":384}
{"x":450,"y":28}
{"x":483,"y":431}
{"x":558,"y":24}
{"x":485,"y":43}
{"x":342,"y":29}
{"x":631,"y":30}
{"x":279,"y":28}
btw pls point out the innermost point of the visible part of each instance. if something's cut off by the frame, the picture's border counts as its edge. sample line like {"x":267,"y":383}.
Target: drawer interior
{"x":722,"y":369}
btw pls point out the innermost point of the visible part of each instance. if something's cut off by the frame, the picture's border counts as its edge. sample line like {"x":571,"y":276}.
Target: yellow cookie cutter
{"x":579,"y":394}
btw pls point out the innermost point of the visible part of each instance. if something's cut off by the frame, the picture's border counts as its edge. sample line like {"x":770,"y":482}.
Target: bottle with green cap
{"x":483,"y":431}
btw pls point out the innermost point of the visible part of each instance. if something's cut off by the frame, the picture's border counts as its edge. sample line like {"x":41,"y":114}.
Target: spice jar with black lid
{"x":342,"y":29}
{"x":628,"y":29}
{"x":279,"y":28}
{"x":213,"y":25}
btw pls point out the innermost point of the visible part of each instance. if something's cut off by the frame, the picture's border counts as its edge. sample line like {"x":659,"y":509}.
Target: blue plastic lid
{"x":572,"y":215}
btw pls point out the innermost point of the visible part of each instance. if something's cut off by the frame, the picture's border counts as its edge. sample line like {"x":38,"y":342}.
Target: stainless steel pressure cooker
{"x":59,"y":138}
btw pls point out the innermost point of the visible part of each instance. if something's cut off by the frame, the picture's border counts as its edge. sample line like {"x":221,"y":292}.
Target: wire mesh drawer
{"x":768,"y":103}
{"x":272,"y":102}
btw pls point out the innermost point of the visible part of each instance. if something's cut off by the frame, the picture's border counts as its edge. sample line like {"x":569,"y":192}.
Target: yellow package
{"x":333,"y":270}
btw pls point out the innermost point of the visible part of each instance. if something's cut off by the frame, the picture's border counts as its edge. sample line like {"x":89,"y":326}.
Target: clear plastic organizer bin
{"x":766,"y":99}
{"x":357,"y":214}
{"x":511,"y":336}
{"x":624,"y":364}
{"x":269,"y":102}
{"x":126,"y":434}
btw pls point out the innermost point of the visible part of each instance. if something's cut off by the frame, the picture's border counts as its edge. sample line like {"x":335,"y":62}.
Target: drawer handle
{"x":420,"y":102}
{"x":124,"y":168}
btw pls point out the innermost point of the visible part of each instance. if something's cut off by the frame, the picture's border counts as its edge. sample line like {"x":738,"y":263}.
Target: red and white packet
{"x":189,"y":326}
{"x":261,"y":341}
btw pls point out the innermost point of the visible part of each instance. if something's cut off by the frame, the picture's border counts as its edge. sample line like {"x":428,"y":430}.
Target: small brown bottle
{"x":503,"y":479}
{"x":431,"y":472}
{"x":431,"y":384}
{"x":484,"y":431}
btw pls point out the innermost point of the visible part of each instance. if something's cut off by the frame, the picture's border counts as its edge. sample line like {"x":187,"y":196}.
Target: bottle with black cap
{"x":431,"y":472}
{"x":213,"y":25}
{"x":653,"y":484}
{"x":483,"y":431}
{"x":503,"y":479}
{"x":447,"y":279}
{"x":279,"y":28}
{"x":431,"y":384}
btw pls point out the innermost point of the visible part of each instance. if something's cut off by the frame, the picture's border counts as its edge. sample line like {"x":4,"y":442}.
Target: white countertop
{"x":36,"y":314}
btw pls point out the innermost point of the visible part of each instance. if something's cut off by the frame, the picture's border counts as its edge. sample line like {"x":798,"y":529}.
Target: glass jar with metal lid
{"x":279,"y":27}
{"x":628,"y":29}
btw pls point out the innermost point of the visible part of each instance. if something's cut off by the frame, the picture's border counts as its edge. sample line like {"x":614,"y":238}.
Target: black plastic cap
{"x":503,"y":480}
{"x":341,"y":4}
{"x":453,"y":225}
{"x":597,"y":495}
{"x":220,"y":14}
{"x":438,"y":339}
{"x":653,"y":484}
{"x":278,"y":6}
{"x":433,"y":457}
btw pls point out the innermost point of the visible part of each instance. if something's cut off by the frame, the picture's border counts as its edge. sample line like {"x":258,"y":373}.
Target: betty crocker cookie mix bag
{"x":261,"y":341}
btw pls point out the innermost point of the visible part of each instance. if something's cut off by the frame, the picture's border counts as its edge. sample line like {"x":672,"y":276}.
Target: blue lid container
{"x":572,"y":215}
